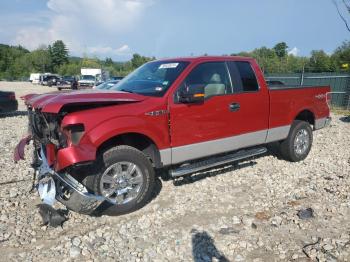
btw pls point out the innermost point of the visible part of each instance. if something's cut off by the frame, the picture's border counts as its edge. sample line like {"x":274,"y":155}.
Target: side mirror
{"x":192,"y":94}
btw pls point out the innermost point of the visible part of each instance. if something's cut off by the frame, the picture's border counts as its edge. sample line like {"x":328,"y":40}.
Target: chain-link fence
{"x":339,"y":102}
{"x":339,"y":83}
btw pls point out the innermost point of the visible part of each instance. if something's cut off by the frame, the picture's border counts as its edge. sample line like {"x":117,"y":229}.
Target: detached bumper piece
{"x":65,"y":189}
{"x":51,"y":216}
{"x":19,"y":150}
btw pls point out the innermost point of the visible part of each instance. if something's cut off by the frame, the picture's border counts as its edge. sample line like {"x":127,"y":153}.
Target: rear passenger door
{"x":250,"y":121}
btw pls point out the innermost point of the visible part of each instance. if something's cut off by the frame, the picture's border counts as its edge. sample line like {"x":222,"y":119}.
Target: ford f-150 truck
{"x":100,"y":150}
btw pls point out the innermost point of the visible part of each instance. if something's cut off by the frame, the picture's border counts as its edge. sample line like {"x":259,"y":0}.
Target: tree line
{"x":16,"y":62}
{"x":277,"y":60}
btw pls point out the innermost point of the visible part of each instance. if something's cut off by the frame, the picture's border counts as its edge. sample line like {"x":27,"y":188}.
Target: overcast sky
{"x":169,"y":28}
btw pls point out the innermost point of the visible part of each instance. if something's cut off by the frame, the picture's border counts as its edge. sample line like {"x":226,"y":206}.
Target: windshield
{"x":87,"y":77}
{"x":153,"y":78}
{"x":106,"y":85}
{"x":67,"y":78}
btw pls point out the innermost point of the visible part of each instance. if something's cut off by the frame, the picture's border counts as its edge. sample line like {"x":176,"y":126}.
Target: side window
{"x":214,"y":77}
{"x":243,"y":77}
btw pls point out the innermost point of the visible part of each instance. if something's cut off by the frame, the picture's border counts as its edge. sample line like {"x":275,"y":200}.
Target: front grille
{"x":86,"y":84}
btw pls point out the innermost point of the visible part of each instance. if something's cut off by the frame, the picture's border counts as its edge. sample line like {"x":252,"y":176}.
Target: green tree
{"x":108,"y":61}
{"x":281,"y":49}
{"x":59,"y":54}
{"x":138,"y":60}
{"x":267,"y":59}
{"x":72,"y":69}
{"x":8,"y":57}
{"x":90,"y":62}
{"x":320,"y":62}
{"x":41,"y":60}
{"x":341,"y":56}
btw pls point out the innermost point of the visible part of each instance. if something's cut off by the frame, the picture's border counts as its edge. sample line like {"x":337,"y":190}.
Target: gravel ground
{"x":245,"y":212}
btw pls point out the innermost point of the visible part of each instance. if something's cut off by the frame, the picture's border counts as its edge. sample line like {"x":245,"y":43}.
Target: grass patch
{"x":340,"y":111}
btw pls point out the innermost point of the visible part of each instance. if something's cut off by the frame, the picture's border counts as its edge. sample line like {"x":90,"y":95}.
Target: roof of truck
{"x":208,"y":58}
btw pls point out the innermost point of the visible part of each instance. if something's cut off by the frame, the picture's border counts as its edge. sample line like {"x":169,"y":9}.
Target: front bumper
{"x":69,"y":191}
{"x":59,"y":186}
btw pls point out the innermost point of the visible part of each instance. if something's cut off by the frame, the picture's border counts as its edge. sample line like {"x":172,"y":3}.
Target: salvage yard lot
{"x":247,"y":211}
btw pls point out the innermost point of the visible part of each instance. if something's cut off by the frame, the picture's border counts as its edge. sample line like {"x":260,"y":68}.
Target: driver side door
{"x":193,"y":125}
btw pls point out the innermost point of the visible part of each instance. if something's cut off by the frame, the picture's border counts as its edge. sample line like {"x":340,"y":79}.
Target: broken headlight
{"x":72,"y":134}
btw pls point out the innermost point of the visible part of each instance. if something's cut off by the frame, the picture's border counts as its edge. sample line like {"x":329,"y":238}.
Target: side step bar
{"x":216,"y":161}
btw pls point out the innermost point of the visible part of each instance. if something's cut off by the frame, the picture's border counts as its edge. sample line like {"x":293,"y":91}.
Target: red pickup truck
{"x":100,"y":150}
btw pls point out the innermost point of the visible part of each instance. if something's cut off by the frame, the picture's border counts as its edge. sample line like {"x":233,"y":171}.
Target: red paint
{"x":19,"y":149}
{"x":50,"y":154}
{"x":53,"y":102}
{"x":126,"y":113}
{"x":73,"y":155}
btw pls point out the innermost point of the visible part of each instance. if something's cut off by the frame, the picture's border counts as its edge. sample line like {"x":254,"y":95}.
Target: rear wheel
{"x":125,"y":177}
{"x":297,"y":145}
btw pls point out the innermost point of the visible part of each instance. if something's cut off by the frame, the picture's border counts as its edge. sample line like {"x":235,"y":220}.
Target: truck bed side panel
{"x":286,"y":103}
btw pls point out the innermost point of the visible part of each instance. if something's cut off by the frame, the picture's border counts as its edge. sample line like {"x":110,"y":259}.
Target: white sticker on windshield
{"x":168,"y":65}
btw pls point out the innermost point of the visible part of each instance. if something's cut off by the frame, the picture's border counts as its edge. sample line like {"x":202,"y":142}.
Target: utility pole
{"x":302,"y":75}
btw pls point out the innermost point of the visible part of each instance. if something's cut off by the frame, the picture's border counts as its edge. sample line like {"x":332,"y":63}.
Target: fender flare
{"x":119,"y":126}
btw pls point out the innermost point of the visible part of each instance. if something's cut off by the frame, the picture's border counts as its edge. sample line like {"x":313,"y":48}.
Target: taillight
{"x":73,"y":133}
{"x":329,"y":99}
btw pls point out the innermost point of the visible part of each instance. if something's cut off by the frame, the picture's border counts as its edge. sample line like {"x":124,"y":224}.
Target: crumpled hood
{"x":53,"y":102}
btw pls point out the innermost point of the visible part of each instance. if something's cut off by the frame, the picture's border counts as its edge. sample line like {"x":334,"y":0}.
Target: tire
{"x":290,"y":150}
{"x":116,"y":157}
{"x":59,"y":88}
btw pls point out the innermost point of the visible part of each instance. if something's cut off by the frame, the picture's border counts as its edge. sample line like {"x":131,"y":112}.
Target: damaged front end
{"x":48,"y":138}
{"x":64,"y":188}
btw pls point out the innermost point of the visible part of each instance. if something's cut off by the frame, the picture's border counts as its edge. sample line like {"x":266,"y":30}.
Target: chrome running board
{"x":217,"y":161}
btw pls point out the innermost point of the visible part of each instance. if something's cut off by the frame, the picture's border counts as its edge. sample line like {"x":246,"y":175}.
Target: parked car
{"x":87,"y":81}
{"x":102,"y":148}
{"x":8,"y":102}
{"x":34,"y":78}
{"x":50,"y":80}
{"x":106,"y":85}
{"x":66,"y":82}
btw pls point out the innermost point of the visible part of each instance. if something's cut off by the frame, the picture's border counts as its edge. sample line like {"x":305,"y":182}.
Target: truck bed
{"x":284,"y":100}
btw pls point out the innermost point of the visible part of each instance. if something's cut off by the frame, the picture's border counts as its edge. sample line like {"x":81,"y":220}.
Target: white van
{"x":35,"y":78}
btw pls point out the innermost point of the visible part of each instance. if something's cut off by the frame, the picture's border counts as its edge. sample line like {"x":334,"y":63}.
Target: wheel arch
{"x":137,"y":140}
{"x":307,"y":116}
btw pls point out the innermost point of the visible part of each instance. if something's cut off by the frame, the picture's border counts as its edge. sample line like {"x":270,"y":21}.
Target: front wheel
{"x":125,"y":177}
{"x":297,"y":145}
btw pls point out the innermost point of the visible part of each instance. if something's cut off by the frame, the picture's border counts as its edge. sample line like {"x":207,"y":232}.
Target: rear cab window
{"x":242,"y":76}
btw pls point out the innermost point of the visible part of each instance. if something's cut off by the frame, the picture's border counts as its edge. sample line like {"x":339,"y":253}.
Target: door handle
{"x":234,"y":107}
